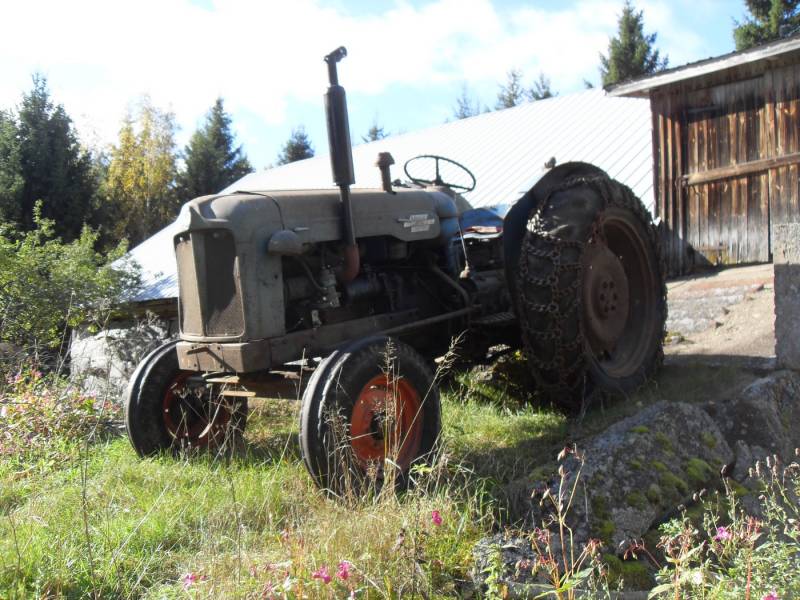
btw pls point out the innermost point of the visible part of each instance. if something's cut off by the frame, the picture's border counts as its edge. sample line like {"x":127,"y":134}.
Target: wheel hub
{"x":385,"y":422}
{"x":605,"y":296}
{"x":191,"y":416}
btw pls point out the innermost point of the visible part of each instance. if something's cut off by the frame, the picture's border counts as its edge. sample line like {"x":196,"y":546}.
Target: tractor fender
{"x":516,"y":219}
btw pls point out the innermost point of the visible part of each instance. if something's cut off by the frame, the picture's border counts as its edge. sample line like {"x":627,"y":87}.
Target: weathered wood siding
{"x":726,"y":159}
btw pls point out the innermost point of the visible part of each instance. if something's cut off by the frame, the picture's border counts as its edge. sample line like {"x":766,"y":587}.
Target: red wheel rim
{"x":387,"y":422}
{"x":192,"y":418}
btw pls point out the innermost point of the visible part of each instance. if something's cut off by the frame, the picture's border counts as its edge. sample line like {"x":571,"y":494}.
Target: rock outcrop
{"x":636,"y":473}
{"x":102,"y":362}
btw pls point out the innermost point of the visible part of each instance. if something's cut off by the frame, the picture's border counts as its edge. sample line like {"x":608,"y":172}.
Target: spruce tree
{"x":54,"y":167}
{"x":297,"y":147}
{"x":212,"y":161}
{"x":631,"y":53}
{"x":466,"y":105}
{"x":374,"y":133}
{"x":540,"y":90}
{"x":11,"y":180}
{"x":769,"y":20}
{"x":511,"y":92}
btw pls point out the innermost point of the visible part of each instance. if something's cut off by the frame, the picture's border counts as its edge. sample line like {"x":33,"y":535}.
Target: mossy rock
{"x":674,"y":487}
{"x":709,"y":440}
{"x":699,"y":472}
{"x":640,"y":429}
{"x":603,"y":530}
{"x":736,"y":488}
{"x":632,"y":574}
{"x":599,"y":507}
{"x":635,"y":465}
{"x":659,"y":466}
{"x":654,"y":494}
{"x":636,"y":499}
{"x":664,"y":441}
{"x":696,"y":513}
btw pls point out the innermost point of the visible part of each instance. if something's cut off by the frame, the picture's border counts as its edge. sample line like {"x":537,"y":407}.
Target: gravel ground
{"x":729,"y":313}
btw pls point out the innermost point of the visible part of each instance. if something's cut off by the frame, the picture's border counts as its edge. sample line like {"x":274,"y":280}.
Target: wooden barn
{"x":726,"y":151}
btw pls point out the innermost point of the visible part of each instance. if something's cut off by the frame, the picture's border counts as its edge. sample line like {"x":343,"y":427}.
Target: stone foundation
{"x":786,"y":259}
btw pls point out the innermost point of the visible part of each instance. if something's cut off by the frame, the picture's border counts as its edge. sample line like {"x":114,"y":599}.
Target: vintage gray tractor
{"x":376,"y":283}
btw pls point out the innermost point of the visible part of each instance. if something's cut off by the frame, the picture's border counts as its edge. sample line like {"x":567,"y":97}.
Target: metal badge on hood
{"x":418,"y":223}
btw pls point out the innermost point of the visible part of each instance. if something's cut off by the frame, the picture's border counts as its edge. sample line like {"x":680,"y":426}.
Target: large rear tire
{"x":370,"y":413}
{"x":591,"y":297}
{"x":166,"y":408}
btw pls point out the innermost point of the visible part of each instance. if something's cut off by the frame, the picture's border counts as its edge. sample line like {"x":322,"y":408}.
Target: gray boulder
{"x":101,"y":362}
{"x":761,"y":421}
{"x":636,"y":472}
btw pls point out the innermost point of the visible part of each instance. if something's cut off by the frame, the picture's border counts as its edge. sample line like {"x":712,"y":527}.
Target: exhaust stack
{"x":341,"y":160}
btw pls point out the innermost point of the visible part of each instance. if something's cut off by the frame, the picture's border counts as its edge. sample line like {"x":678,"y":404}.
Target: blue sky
{"x":408,"y":62}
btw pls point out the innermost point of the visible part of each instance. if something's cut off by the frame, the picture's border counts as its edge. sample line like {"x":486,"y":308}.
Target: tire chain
{"x":564,"y":301}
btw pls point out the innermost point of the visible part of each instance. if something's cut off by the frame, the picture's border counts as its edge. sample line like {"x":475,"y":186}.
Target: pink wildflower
{"x":771,"y":596}
{"x":322,"y":573}
{"x":723,"y":534}
{"x":268,"y":591}
{"x":343,"y":572}
{"x":189,"y":579}
{"x":436,"y":517}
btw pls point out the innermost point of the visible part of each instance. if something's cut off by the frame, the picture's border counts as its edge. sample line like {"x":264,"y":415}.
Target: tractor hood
{"x":316,"y":215}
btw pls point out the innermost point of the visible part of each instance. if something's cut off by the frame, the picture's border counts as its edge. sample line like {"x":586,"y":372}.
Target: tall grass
{"x":82,"y":516}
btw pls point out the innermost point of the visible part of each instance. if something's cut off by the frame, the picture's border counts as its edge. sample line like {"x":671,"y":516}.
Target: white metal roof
{"x":506,"y":150}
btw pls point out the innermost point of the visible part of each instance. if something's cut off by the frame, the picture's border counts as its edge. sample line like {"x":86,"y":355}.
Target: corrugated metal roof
{"x":506,"y":150}
{"x":642,"y":86}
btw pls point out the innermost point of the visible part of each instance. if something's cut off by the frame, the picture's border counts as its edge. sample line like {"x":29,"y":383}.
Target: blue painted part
{"x":485,"y":216}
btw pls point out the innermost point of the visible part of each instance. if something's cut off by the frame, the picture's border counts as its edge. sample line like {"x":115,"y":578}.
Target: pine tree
{"x":212,"y":162}
{"x":511,"y":92}
{"x":632,"y":53}
{"x":142,"y":172}
{"x":768,"y":20}
{"x":374,"y":133}
{"x":11,"y":180}
{"x":466,"y":106}
{"x":540,"y":89}
{"x":54,"y":168}
{"x":297,"y":147}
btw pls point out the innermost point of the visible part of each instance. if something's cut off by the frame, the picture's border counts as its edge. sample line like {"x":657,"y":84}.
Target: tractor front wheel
{"x":370,"y":412}
{"x":167,"y":408}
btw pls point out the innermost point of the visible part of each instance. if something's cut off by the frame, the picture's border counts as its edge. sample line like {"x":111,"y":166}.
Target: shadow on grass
{"x":271,"y":435}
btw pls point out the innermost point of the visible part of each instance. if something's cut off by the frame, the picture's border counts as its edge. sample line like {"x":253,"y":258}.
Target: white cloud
{"x":263,"y":55}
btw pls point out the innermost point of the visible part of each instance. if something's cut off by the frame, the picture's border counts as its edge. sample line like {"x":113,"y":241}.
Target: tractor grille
{"x":209,"y":296}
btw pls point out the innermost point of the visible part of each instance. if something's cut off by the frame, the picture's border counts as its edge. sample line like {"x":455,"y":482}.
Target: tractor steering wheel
{"x":437,"y":180}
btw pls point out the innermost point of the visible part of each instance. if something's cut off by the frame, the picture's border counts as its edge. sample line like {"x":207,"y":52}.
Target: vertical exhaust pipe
{"x":341,"y":160}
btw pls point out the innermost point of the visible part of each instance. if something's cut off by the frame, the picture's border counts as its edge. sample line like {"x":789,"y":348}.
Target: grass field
{"x":82,"y":519}
{"x":81,"y":516}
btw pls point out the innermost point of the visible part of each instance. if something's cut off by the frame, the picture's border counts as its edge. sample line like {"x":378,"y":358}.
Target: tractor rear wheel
{"x":591,"y":297}
{"x":167,"y":408}
{"x":370,"y":413}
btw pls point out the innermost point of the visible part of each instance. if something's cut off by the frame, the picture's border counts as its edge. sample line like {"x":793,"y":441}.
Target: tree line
{"x":632,"y":53}
{"x":129,"y":190}
{"x":136,"y":186}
